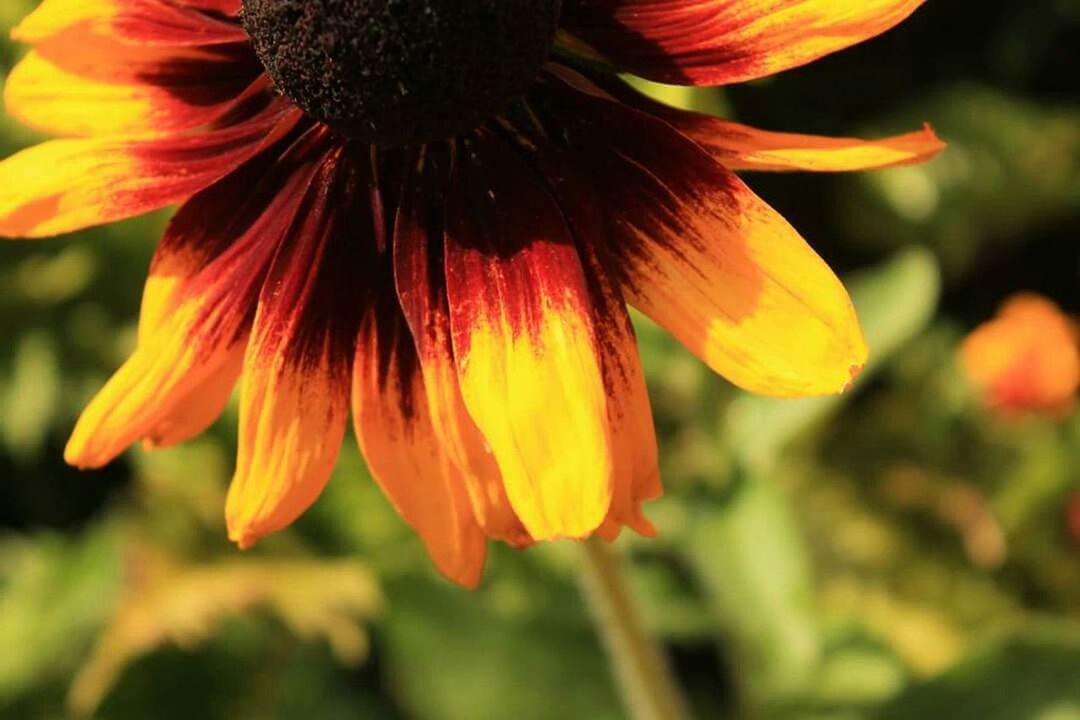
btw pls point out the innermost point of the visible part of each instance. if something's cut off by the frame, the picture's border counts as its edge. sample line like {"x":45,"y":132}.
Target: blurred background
{"x":909,"y":551}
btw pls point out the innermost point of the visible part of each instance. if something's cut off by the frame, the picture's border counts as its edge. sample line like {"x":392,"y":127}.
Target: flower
{"x":432,"y":214}
{"x":1026,"y":359}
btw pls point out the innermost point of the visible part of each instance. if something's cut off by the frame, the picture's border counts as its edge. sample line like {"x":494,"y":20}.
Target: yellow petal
{"x":142,"y":395}
{"x":292,"y":423}
{"x":191,"y":415}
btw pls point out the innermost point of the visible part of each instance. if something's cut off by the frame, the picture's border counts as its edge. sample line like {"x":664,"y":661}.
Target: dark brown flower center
{"x":394,"y":72}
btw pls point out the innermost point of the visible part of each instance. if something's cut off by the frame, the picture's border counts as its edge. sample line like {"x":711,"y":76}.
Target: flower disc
{"x":393,"y":72}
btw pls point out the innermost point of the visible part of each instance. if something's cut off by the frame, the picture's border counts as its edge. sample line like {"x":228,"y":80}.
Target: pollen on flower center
{"x":394,"y":72}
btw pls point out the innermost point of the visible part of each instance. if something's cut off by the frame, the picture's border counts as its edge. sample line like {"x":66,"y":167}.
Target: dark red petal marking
{"x":225,"y":7}
{"x":308,"y":304}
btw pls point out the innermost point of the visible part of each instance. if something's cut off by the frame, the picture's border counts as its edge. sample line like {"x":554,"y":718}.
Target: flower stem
{"x":641,"y":672}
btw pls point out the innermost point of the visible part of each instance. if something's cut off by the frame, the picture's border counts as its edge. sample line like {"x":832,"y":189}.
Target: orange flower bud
{"x":1025,"y":359}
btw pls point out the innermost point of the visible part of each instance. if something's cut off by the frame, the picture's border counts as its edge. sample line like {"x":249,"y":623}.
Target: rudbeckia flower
{"x":431,"y":215}
{"x":1026,"y":359}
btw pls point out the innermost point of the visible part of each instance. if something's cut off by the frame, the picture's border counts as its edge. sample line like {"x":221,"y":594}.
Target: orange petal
{"x":394,"y":425}
{"x":525,"y":344}
{"x":421,"y":286}
{"x":717,"y":42}
{"x":197,"y":308}
{"x":143,"y":22}
{"x":66,"y":185}
{"x":703,"y":256}
{"x":80,"y":85}
{"x":294,"y":397}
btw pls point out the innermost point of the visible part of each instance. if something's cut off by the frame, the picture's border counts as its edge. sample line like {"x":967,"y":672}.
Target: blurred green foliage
{"x":895,"y":554}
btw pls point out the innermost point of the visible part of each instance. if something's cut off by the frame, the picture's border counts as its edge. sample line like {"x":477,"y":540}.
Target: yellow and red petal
{"x":634,"y":448}
{"x":636,"y":471}
{"x":421,"y":288}
{"x":80,"y":85}
{"x":741,"y":147}
{"x":294,"y":397}
{"x":703,"y":256}
{"x":395,"y":427}
{"x":525,"y":345}
{"x":224,"y":7}
{"x":197,"y":309}
{"x":66,"y":185}
{"x":140,"y":22}
{"x":717,"y":42}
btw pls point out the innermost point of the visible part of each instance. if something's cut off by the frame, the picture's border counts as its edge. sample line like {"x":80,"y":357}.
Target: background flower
{"x":1027,"y":358}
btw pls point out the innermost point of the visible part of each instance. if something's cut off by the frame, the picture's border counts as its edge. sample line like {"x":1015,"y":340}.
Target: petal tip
{"x":81,"y":453}
{"x":854,"y":372}
{"x":644,"y":527}
{"x":18,"y":33}
{"x":243,"y":536}
{"x":468,"y":579}
{"x":934,"y":144}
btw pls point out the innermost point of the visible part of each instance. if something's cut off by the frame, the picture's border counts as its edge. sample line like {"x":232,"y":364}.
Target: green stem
{"x":641,"y":672}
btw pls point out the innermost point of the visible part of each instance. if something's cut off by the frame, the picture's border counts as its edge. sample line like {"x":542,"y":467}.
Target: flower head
{"x":1026,"y":359}
{"x":430,"y":215}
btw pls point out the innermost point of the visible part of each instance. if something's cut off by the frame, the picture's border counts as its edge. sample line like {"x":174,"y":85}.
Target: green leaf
{"x":1032,"y":674}
{"x":458,"y":656}
{"x":30,"y":401}
{"x":749,"y":559}
{"x":54,"y":593}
